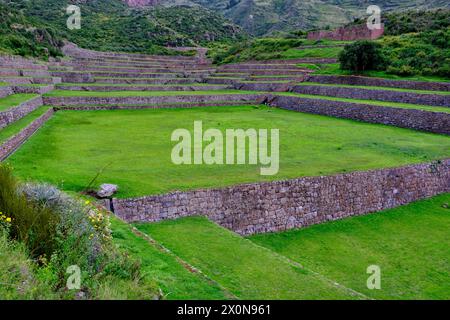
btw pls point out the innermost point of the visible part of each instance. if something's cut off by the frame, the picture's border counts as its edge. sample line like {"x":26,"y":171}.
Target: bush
{"x":59,"y":231}
{"x":32,"y":225}
{"x":362,"y":56}
{"x":17,"y":273}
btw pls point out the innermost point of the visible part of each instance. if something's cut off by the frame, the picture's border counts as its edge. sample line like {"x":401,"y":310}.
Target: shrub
{"x":17,"y":273}
{"x":361,"y":56}
{"x":33,"y":225}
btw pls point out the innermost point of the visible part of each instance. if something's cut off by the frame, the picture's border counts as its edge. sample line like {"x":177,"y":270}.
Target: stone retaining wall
{"x":172,"y":87}
{"x":379,"y":82}
{"x":32,"y":89}
{"x":436,"y":122}
{"x":156,"y":106}
{"x":349,"y":33}
{"x":5,"y":91}
{"x":15,"y":113}
{"x":282,"y":205}
{"x":439,"y":100}
{"x":10,"y":145}
{"x":67,"y":101}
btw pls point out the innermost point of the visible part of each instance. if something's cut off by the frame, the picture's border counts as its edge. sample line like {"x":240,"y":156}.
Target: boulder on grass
{"x":107,"y":190}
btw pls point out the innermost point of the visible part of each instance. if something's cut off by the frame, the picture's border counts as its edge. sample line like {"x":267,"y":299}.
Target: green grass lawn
{"x":374,"y":88}
{"x":247,"y":270}
{"x":15,"y":127}
{"x":14,"y":100}
{"x":69,"y":93}
{"x":334,"y":69}
{"x":370,"y":102}
{"x":175,"y":281}
{"x":312,"y":53}
{"x":134,"y":145}
{"x":410,"y":244}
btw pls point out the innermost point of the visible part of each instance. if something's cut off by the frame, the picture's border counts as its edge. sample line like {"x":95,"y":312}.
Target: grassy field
{"x":332,"y":52}
{"x":14,"y":100}
{"x":370,"y":102}
{"x":247,"y":270}
{"x":410,"y":244}
{"x":15,"y":127}
{"x":175,"y":281}
{"x":134,"y":148}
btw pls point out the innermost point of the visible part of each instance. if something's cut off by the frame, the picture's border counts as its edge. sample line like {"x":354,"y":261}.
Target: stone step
{"x":144,"y":81}
{"x":358,"y":93}
{"x":380,"y":82}
{"x":141,"y":70}
{"x":287,"y":72}
{"x":269,"y":78}
{"x":249,"y":66}
{"x":24,"y":73}
{"x":30,"y":80}
{"x":156,"y":99}
{"x":155,"y":106}
{"x":133,"y":65}
{"x":33,"y":89}
{"x":108,"y":88}
{"x":5,"y":91}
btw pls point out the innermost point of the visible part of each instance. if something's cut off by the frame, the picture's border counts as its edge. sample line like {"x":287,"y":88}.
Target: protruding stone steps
{"x":170,"y":87}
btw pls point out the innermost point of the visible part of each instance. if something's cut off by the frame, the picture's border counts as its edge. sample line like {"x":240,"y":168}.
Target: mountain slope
{"x":264,"y":16}
{"x":113,"y":26}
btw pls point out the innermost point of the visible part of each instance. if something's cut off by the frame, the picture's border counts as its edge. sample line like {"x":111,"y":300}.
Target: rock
{"x":107,"y":190}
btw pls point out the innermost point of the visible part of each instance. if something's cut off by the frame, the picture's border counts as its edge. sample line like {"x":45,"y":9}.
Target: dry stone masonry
{"x":10,"y":145}
{"x":282,"y":205}
{"x":436,"y":122}
{"x":13,"y":114}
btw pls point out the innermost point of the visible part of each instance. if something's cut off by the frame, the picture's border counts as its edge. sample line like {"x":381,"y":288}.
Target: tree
{"x":361,"y":56}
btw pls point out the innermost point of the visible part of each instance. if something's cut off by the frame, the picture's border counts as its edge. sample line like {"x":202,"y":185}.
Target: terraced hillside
{"x":348,"y":146}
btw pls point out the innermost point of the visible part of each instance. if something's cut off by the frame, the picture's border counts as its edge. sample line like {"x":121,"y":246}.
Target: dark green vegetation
{"x":269,"y":49}
{"x":413,"y":21}
{"x":248,"y":271}
{"x":410,"y":244}
{"x":22,"y":35}
{"x":361,"y":56}
{"x":72,"y":147}
{"x":45,"y":231}
{"x":110,"y":26}
{"x":271,"y":16}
